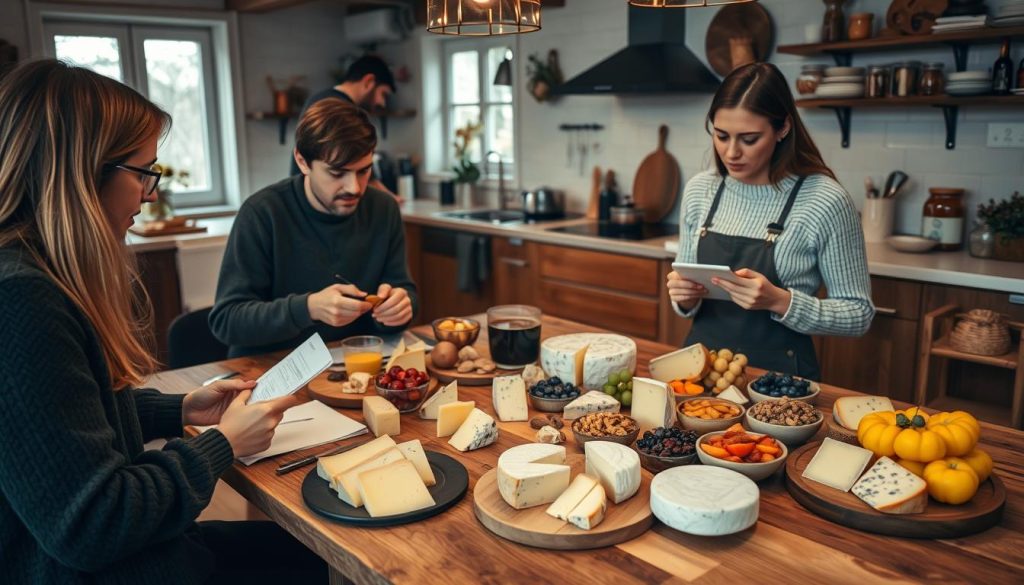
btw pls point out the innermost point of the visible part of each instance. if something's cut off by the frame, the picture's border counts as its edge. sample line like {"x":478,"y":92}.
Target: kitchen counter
{"x":217,"y":230}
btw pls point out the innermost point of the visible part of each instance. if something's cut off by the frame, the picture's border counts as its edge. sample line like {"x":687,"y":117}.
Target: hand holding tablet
{"x":703,"y":273}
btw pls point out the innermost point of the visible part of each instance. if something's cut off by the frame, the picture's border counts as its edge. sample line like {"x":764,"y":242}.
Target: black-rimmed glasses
{"x":150,"y":177}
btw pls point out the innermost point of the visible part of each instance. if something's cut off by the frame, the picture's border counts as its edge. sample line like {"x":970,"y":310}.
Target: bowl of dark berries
{"x":552,"y":395}
{"x":406,"y":389}
{"x":666,"y":447}
{"x":775,"y":385}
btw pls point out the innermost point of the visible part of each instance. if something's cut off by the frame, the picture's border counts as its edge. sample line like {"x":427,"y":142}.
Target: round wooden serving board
{"x":533,"y":527}
{"x":330,"y":393}
{"x":937,"y":521}
{"x":445,"y":376}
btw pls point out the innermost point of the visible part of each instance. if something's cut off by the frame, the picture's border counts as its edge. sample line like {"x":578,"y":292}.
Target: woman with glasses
{"x":81,"y":501}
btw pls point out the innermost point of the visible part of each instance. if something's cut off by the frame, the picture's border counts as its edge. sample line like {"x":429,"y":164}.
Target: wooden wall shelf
{"x":282,"y":121}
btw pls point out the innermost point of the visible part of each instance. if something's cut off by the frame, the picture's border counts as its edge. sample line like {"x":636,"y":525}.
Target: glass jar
{"x":860,"y":26}
{"x":943,"y":218}
{"x":933,"y":80}
{"x":904,"y":78}
{"x":833,"y":27}
{"x":810,"y":78}
{"x":878,"y":81}
{"x":982,"y":241}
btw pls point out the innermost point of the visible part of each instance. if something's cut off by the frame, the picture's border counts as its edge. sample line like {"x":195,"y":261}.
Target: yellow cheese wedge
{"x":381,"y":416}
{"x":451,"y":416}
{"x":399,"y":350}
{"x":413,"y":451}
{"x":330,"y":467}
{"x":348,"y":482}
{"x":393,"y":489}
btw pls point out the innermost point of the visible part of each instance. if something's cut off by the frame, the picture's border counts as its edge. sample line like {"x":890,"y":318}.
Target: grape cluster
{"x":777,"y":385}
{"x":668,"y":442}
{"x":554,"y":389}
{"x":620,"y":387}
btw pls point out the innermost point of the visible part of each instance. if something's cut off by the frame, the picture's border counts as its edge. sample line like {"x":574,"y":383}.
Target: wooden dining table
{"x":787,"y":544}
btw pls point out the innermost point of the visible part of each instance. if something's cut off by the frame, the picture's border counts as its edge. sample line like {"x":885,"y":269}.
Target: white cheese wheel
{"x":705,"y":500}
{"x":587,"y":358}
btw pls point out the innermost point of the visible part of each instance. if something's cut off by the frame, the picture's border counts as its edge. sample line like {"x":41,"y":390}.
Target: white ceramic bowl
{"x":969,"y":76}
{"x":791,"y":436}
{"x":811,"y":398}
{"x":914,"y":244}
{"x":755,"y":471}
{"x":843,"y":79}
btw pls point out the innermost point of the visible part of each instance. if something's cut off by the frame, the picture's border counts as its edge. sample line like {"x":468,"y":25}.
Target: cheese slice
{"x":848,"y":410}
{"x":381,"y":416}
{"x":733,"y":394}
{"x":590,"y":512}
{"x":509,"y":398}
{"x":347,"y":483}
{"x":616,"y":466}
{"x":393,"y":489}
{"x":654,"y":404}
{"x":329,"y":467}
{"x":446,"y":395}
{"x":411,"y":359}
{"x":690,"y":363}
{"x":595,"y":401}
{"x":478,"y":431}
{"x":572,"y":496}
{"x":532,"y":474}
{"x":451,"y":416}
{"x":399,"y":350}
{"x":413,"y":451}
{"x":837,"y":464}
{"x":890,"y":488}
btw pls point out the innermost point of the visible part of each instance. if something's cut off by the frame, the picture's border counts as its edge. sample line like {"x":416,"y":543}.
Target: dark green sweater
{"x":80,"y":500}
{"x":281,"y":250}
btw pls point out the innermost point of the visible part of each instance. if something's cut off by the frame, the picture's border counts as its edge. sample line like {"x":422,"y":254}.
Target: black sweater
{"x":80,"y":500}
{"x":281,"y":250}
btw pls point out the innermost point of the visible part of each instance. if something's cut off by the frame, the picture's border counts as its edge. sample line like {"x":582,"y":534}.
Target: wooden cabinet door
{"x":627,"y":314}
{"x":158,"y":271}
{"x":439,"y":276}
{"x":881,"y":362}
{"x":616,"y":272}
{"x":514,"y":262}
{"x":674,"y":328}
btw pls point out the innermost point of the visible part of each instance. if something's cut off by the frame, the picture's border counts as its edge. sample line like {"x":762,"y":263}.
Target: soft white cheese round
{"x":704,"y":500}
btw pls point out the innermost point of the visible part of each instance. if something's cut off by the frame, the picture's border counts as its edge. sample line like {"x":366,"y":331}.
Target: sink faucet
{"x":502,"y":203}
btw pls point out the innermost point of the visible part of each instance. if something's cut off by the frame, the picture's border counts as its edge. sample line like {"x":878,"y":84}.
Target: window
{"x":471,"y":96}
{"x":173,"y":67}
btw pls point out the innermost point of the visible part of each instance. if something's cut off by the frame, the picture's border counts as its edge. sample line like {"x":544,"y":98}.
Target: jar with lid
{"x":943,"y":218}
{"x":878,"y":81}
{"x":933,"y":80}
{"x":833,"y":27}
{"x":904,"y":78}
{"x":860,"y":26}
{"x":982,"y":241}
{"x":810,"y":78}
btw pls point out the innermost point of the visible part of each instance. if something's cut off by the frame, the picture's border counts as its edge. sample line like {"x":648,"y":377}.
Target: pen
{"x":288,"y":422}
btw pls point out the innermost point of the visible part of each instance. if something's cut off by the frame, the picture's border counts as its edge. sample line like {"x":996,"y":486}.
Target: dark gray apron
{"x":767,"y":343}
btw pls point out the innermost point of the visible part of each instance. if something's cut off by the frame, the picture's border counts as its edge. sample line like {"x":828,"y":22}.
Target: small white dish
{"x":912,"y":244}
{"x":843,"y":79}
{"x":969,"y":76}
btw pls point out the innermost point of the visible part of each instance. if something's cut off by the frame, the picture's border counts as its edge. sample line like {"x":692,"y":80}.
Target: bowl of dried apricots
{"x":706,"y":415}
{"x":754,"y":455}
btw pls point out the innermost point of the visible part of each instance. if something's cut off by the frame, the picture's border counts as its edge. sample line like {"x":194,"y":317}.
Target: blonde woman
{"x":80,"y":499}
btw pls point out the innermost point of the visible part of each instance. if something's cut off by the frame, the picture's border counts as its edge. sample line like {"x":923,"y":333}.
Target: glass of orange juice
{"x":363,"y":353}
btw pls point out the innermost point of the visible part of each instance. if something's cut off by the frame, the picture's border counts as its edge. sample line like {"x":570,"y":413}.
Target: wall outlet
{"x":1006,"y":135}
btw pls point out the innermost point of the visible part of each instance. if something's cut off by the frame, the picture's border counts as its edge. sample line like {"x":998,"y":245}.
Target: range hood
{"x":656,"y":61}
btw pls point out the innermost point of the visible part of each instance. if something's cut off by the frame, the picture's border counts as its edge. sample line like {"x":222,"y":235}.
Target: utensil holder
{"x":877,"y":219}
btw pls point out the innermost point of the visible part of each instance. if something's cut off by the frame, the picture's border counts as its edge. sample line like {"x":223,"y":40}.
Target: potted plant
{"x":163,"y":209}
{"x":467,"y":172}
{"x":543,"y":75}
{"x":1006,"y":220}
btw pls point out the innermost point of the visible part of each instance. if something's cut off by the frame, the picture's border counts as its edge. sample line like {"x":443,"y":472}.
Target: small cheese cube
{"x":381,"y":416}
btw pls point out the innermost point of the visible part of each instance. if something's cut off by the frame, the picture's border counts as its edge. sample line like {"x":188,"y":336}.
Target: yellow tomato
{"x":877,"y":432}
{"x":980,"y":462}
{"x":959,"y":430}
{"x":900,"y":433}
{"x":917,"y":444}
{"x":915,"y":467}
{"x":951,"y":481}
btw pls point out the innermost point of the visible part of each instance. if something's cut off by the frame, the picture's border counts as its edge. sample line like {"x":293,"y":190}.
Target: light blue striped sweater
{"x":822,"y":243}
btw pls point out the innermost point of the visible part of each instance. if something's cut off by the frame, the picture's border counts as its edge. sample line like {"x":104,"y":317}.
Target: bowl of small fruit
{"x":666,"y":447}
{"x":705,"y":415}
{"x":552,"y":394}
{"x":791,"y":421}
{"x":620,"y":387}
{"x":726,"y":368}
{"x":775,"y":385}
{"x":457,"y":330}
{"x":405,"y":388}
{"x":754,"y":455}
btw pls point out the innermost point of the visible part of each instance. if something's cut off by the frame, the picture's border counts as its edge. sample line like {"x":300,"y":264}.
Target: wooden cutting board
{"x":330,"y":393}
{"x":446,"y":375}
{"x":657,"y":181}
{"x":595,"y":194}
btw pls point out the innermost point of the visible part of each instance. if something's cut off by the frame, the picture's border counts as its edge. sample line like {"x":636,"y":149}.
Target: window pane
{"x":499,"y":132}
{"x":462,"y":115}
{"x":498,"y":93}
{"x":465,"y":78}
{"x":175,"y":74}
{"x":99,"y":54}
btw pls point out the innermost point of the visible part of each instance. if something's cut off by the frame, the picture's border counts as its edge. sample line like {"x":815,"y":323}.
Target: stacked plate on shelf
{"x":957,"y":23}
{"x":841,"y":82}
{"x":969,"y":83}
{"x":1010,"y":14}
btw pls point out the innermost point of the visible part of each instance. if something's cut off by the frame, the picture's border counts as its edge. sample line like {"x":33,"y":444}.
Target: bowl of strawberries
{"x":754,"y":455}
{"x":405,"y":388}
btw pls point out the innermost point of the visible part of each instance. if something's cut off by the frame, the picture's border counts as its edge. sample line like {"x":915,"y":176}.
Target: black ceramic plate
{"x":452,"y":483}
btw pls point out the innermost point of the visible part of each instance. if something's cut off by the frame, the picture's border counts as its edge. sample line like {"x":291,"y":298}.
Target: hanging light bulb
{"x":483,"y":17}
{"x":685,"y":3}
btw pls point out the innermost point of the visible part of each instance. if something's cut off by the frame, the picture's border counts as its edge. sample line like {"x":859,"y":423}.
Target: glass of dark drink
{"x":513,"y":332}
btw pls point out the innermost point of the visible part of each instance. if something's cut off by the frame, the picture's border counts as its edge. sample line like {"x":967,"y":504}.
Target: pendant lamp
{"x":685,"y":3}
{"x":483,"y":17}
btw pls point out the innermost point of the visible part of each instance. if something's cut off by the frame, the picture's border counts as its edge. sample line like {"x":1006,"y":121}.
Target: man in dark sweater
{"x":277,"y":281}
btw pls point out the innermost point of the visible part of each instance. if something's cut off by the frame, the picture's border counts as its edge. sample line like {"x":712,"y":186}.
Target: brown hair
{"x":60,"y":128}
{"x":760,"y":88}
{"x":336,"y":132}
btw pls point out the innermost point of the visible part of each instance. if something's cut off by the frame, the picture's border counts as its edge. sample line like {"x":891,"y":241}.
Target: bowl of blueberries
{"x":775,"y":386}
{"x":666,"y":447}
{"x":553,"y":394}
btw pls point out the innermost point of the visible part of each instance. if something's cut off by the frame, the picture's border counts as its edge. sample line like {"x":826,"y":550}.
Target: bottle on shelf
{"x":1020,"y":75}
{"x":1002,"y":71}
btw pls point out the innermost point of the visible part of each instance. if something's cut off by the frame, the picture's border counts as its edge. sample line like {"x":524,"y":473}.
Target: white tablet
{"x":703,"y":273}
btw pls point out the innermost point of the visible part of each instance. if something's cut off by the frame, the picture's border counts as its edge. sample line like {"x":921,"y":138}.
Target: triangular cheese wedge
{"x":446,"y":395}
{"x":451,"y":416}
{"x":399,"y":350}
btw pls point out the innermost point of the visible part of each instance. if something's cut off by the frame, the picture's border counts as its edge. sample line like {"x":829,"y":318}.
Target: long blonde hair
{"x":61,"y":129}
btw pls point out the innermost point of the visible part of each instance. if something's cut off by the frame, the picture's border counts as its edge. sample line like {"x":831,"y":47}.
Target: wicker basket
{"x":981,"y":332}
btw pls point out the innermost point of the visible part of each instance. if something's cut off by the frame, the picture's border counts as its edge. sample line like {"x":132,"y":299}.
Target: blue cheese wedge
{"x":890,"y":488}
{"x":595,"y":401}
{"x":509,"y":398}
{"x":478,"y":430}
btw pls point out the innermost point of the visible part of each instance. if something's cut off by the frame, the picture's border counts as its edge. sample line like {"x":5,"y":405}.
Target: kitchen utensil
{"x":544,"y":202}
{"x":595,"y":194}
{"x":657,"y":181}
{"x":623,"y":215}
{"x":609,"y":197}
{"x":738,"y":21}
{"x":893,"y":183}
{"x":870,"y":191}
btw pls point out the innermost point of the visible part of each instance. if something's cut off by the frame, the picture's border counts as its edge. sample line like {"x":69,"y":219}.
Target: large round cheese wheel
{"x":704,"y":500}
{"x":587,"y":358}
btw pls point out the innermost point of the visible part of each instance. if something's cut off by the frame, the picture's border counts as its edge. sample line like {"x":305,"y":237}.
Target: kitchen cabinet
{"x":514,"y":265}
{"x":434,"y":268}
{"x":673,"y":328}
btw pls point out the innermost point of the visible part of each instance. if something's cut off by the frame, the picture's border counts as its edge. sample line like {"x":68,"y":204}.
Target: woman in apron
{"x":774,"y":213}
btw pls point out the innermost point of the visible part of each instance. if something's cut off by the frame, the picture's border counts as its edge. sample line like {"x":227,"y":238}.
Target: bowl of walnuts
{"x":605,"y":426}
{"x":791,"y":421}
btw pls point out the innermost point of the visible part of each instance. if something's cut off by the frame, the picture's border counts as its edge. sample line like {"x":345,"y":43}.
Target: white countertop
{"x":217,"y":230}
